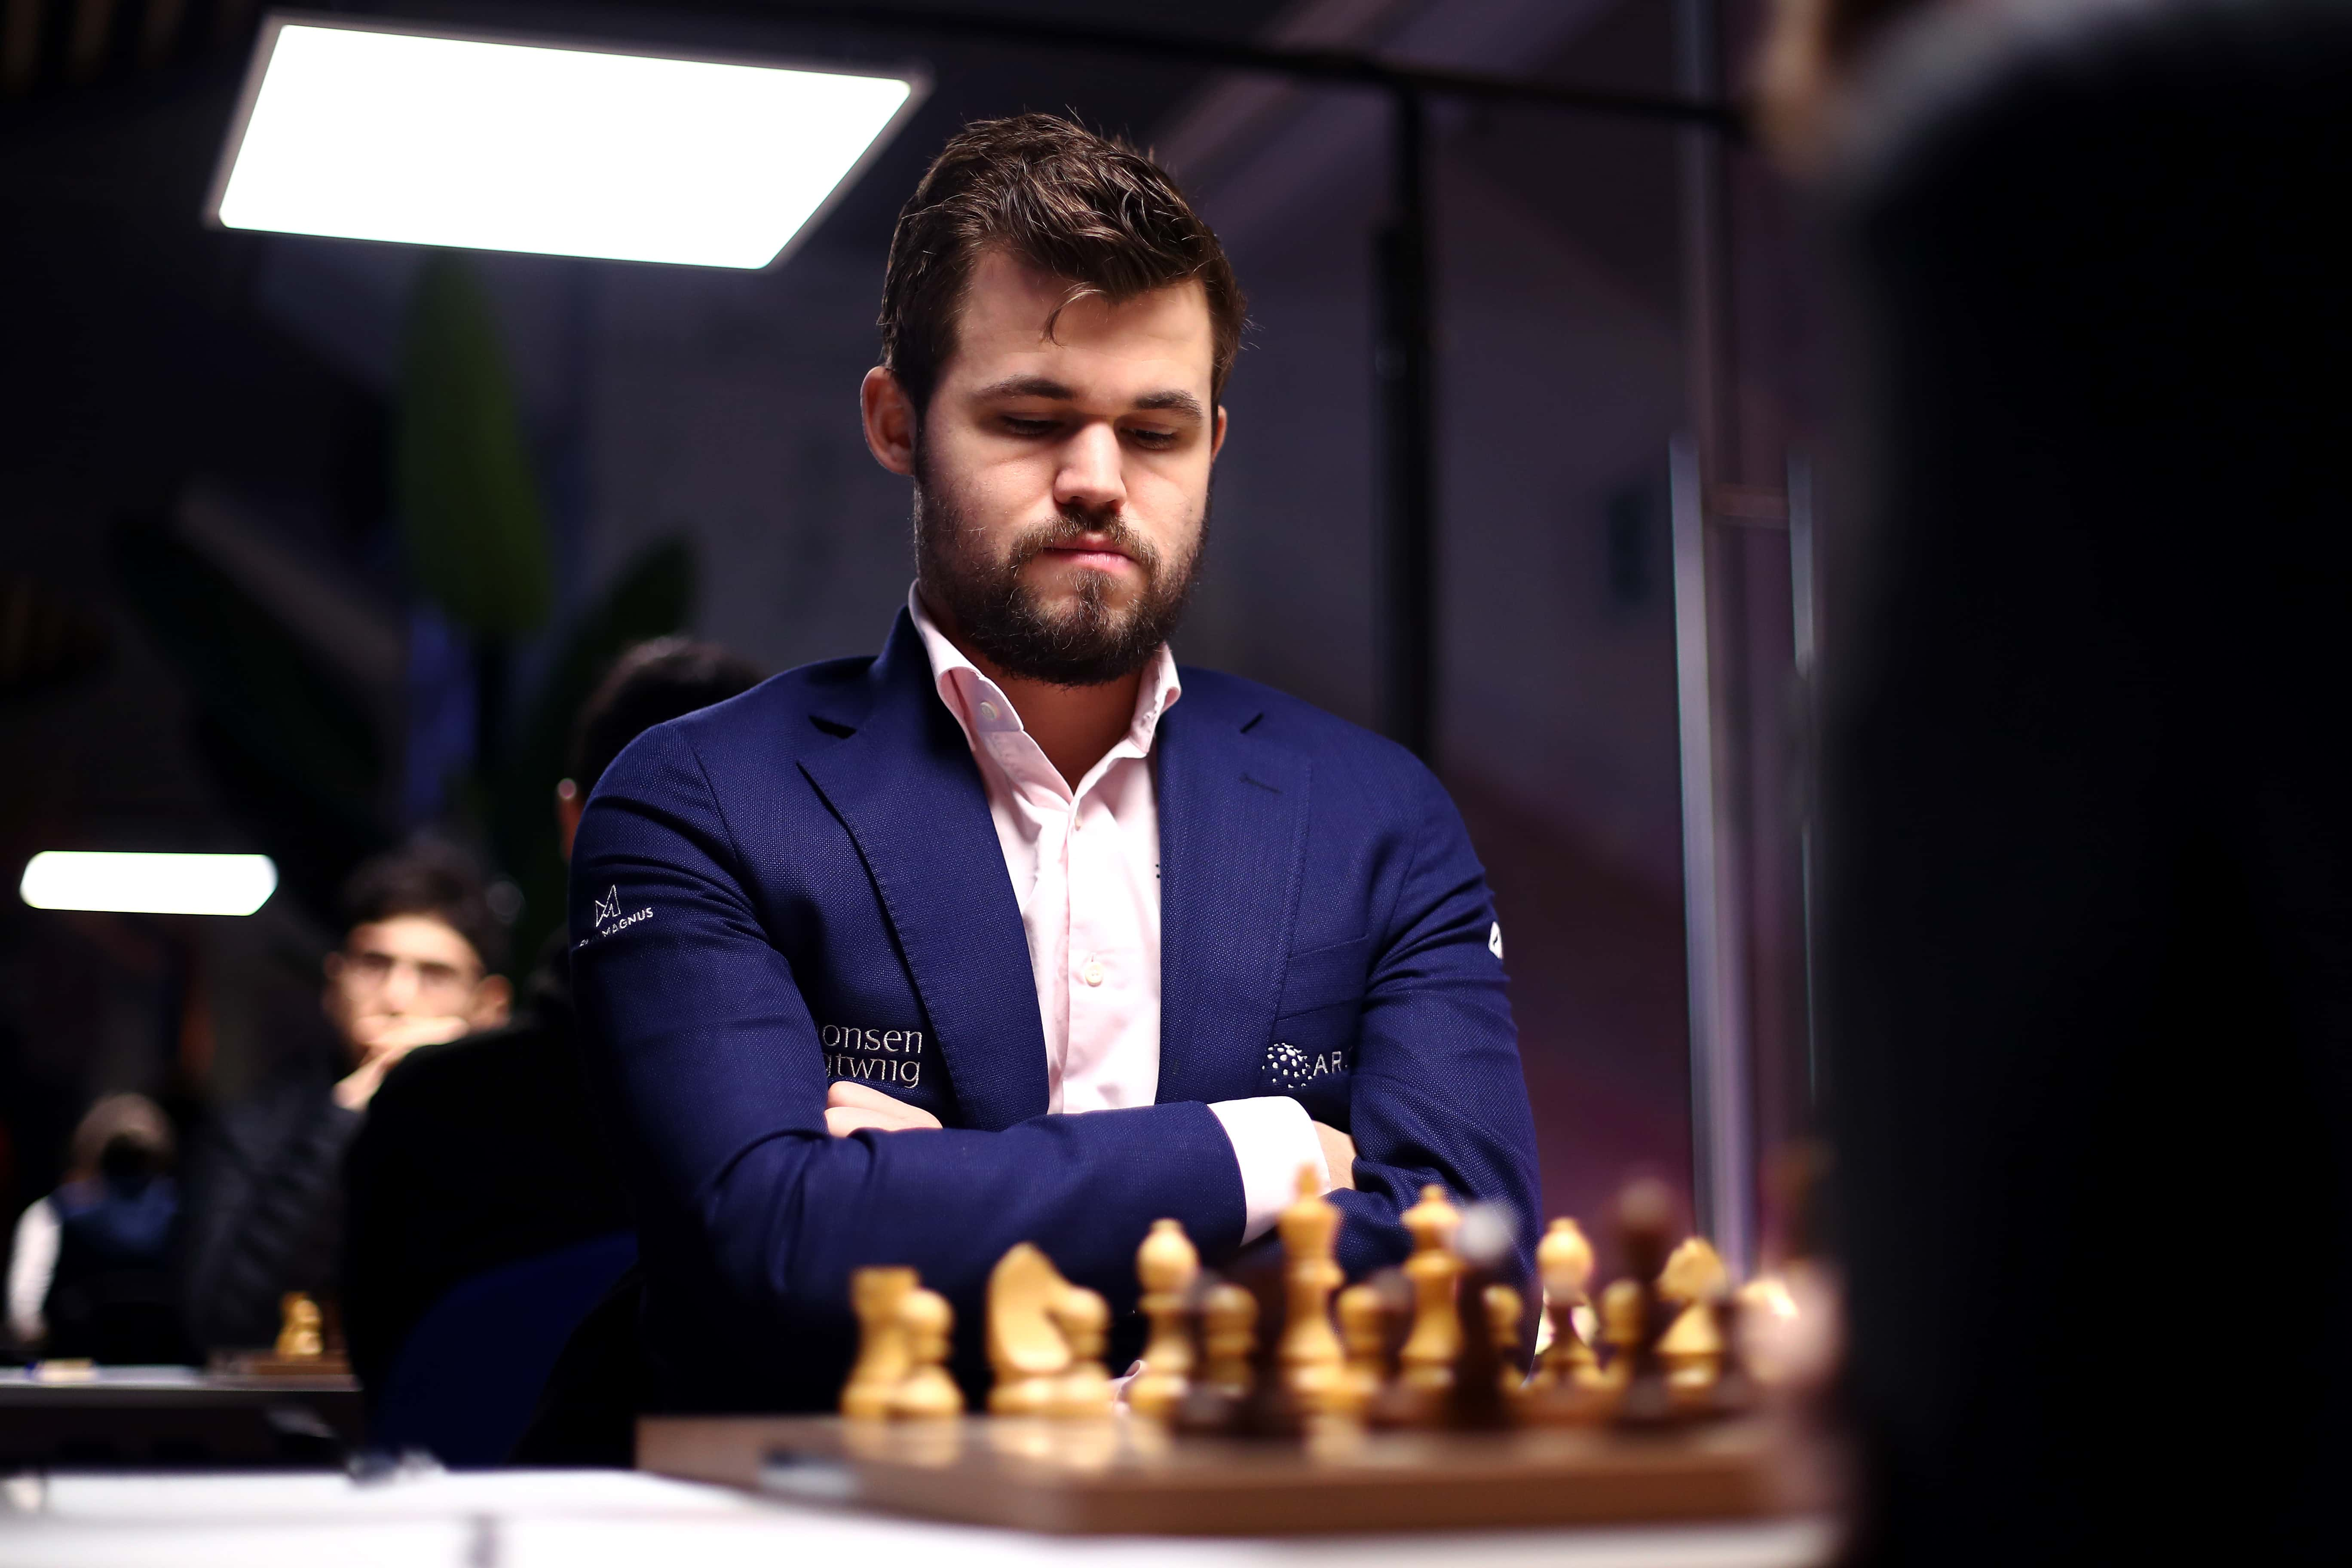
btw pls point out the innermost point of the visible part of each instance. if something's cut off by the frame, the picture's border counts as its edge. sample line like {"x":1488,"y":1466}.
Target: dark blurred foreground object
{"x":469,"y":1375}
{"x":474,"y":1155}
{"x":171,"y":1418}
{"x":48,"y":640}
{"x":2091,"y":875}
{"x":587,"y":1411}
{"x":93,"y":1273}
{"x":485,"y":1219}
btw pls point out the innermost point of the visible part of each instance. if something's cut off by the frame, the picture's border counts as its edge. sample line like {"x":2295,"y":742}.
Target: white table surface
{"x":584,"y":1518}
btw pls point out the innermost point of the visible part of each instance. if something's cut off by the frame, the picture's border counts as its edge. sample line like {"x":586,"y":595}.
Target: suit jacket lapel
{"x":905,"y":786}
{"x":1233,"y":843}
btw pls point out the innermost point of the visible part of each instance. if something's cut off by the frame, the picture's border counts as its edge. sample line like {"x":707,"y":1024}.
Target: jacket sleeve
{"x":699,"y":1036}
{"x":271,"y":1212}
{"x":1438,"y":1095}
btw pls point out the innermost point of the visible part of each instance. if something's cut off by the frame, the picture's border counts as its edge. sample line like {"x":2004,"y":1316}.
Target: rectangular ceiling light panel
{"x":367,"y":133}
{"x":147,"y":884}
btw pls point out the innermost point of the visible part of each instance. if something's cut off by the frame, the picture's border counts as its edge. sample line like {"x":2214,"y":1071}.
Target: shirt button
{"x":988,"y":709}
{"x":1093,"y":973}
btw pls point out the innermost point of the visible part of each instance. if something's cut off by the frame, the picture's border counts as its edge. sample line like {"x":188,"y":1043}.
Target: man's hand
{"x":853,"y":1107}
{"x":397,"y":1034}
{"x":1339,"y":1153}
{"x":383,"y":1040}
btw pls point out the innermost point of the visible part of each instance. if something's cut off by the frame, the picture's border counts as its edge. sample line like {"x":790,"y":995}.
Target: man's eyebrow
{"x":1027,"y":387}
{"x":1175,"y":400}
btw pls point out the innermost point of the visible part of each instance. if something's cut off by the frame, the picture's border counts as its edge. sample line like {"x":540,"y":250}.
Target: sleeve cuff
{"x":1272,"y":1137}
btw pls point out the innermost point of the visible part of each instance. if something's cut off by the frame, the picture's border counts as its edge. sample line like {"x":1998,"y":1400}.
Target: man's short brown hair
{"x":1055,"y":195}
{"x":428,"y":876}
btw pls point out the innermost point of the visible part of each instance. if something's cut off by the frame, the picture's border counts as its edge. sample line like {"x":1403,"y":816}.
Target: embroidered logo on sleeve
{"x":610,"y":920}
{"x":1494,"y":941}
{"x":1291,"y":1067}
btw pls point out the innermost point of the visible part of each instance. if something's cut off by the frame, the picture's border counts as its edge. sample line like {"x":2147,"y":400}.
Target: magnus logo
{"x":610,"y":920}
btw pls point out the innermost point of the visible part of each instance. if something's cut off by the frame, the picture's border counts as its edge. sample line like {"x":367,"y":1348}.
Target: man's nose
{"x":400,"y":988}
{"x":1091,"y":478}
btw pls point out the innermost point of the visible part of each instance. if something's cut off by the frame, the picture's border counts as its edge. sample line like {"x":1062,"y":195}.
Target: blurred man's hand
{"x":399,"y":1033}
{"x":852,"y":1108}
{"x":1339,"y":1153}
{"x":382,"y":1039}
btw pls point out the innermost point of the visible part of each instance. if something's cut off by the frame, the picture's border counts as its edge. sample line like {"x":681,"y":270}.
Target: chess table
{"x":617,"y":1519}
{"x":1129,"y":1477}
{"x":174,"y":1415}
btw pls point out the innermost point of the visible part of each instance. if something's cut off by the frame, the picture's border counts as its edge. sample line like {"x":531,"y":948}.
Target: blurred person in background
{"x":417,"y":968}
{"x":2088,"y":946}
{"x":484,"y":1151}
{"x":93,"y":1273}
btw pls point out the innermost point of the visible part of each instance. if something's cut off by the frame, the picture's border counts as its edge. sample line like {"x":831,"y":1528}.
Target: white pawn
{"x":1427,"y":1358}
{"x":928,"y":1392}
{"x":876,"y":1295}
{"x":1312,"y":1358}
{"x":1084,"y":1392}
{"x":1166,"y":1264}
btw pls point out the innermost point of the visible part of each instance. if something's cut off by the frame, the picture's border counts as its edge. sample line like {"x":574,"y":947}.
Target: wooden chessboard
{"x":1127,"y":1477}
{"x":331,"y":1367}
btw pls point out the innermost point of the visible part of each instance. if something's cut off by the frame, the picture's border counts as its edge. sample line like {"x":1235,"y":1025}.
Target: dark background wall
{"x":234,"y":393}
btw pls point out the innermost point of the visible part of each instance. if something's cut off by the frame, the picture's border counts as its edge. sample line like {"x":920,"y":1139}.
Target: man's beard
{"x":1005,"y":621}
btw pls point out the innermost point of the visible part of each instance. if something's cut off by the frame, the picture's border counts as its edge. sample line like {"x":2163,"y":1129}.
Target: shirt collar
{"x":969,"y":695}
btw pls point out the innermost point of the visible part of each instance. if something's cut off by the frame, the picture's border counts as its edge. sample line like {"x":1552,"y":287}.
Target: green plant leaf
{"x":462,"y":477}
{"x":653,"y":596}
{"x":294,"y":752}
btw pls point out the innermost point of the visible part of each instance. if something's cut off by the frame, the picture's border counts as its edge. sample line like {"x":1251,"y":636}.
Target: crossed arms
{"x":775,"y":1183}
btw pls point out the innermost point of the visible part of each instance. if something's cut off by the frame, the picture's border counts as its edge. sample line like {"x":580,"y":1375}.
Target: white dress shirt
{"x":1085,"y":867}
{"x":32,"y":1266}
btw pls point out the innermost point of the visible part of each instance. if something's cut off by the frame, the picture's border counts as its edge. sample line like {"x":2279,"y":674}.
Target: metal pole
{"x":1706,"y":314}
{"x":1722,"y":1184}
{"x":1723,"y":1165}
{"x":1806,"y":632}
{"x":1408,"y":585}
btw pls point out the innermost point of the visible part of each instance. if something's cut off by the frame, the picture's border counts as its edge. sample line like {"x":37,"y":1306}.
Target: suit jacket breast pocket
{"x":900,"y":1063}
{"x":1312,"y":1057}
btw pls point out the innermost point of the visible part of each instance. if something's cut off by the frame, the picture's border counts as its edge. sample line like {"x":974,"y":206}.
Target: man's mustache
{"x":1072,"y":528}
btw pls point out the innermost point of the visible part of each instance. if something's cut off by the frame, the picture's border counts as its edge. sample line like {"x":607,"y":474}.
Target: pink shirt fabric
{"x":1085,"y":867}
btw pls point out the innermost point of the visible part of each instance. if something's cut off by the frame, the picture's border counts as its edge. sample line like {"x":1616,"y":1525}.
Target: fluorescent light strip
{"x":147,"y":884}
{"x":363,"y":132}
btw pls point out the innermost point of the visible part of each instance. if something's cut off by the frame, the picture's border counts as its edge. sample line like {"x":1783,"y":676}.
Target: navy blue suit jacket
{"x":803,"y":884}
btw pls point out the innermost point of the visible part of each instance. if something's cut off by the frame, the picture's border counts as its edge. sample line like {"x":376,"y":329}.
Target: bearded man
{"x":1020,"y":932}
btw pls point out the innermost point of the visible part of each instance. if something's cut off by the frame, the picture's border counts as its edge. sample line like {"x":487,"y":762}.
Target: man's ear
{"x":1217,"y":436}
{"x":889,"y":420}
{"x":568,"y":807}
